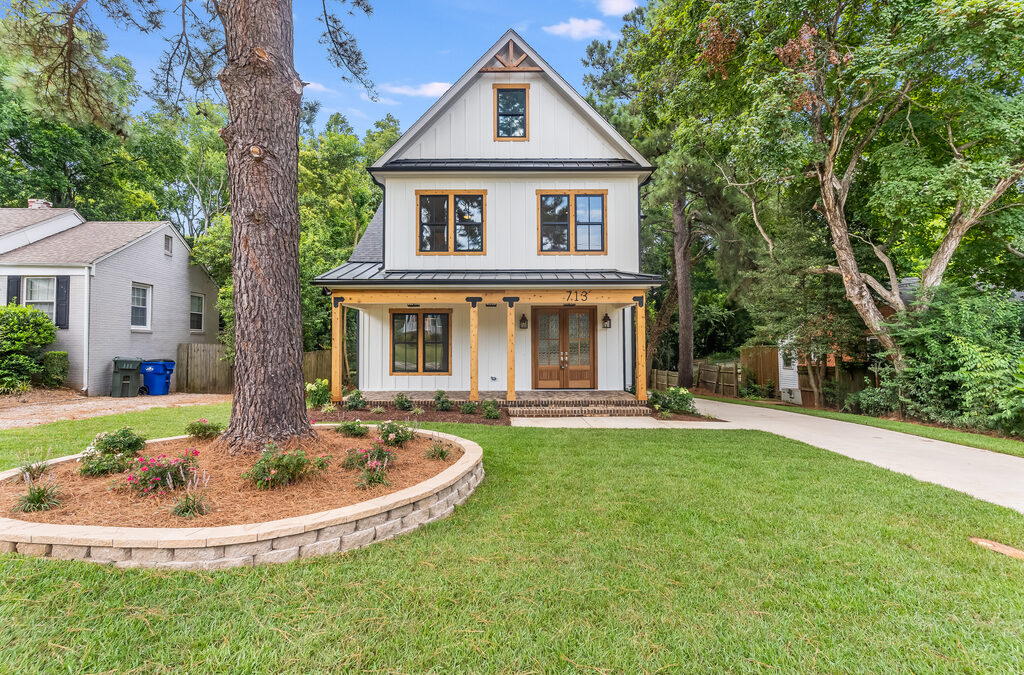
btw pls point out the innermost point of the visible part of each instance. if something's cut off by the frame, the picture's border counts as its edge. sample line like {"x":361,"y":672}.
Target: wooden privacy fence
{"x":201,"y":369}
{"x":724,"y":378}
{"x":762,"y":363}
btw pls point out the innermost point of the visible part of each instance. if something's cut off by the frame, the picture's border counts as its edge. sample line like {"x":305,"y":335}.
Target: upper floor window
{"x":168,"y":244}
{"x":41,"y":294}
{"x":451,"y":221}
{"x":141,"y":296}
{"x":511,"y":112}
{"x":572,"y":221}
{"x":197,"y":301}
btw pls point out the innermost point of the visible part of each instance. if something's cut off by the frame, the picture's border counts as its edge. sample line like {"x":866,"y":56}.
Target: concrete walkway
{"x":991,"y":476}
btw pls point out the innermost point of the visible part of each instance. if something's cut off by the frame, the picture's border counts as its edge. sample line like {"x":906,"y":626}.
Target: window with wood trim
{"x":511,"y":112}
{"x":572,"y":221}
{"x":421,"y":342}
{"x":451,"y":222}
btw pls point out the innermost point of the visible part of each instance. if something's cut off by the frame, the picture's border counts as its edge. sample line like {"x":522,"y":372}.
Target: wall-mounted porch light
{"x":606,"y":322}
{"x":523,"y":323}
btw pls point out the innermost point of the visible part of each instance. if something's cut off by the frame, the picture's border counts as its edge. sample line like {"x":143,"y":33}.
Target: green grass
{"x":1007,"y":446}
{"x":626,"y":550}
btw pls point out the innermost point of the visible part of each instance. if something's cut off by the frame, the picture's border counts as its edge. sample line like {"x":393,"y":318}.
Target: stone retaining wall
{"x":278,"y":541}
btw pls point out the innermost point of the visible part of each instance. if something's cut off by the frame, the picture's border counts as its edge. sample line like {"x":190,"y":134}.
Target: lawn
{"x":1007,"y":446}
{"x":582,"y":551}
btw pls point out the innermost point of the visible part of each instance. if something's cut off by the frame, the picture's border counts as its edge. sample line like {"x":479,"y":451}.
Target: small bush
{"x":441,"y":401}
{"x":16,"y":372}
{"x":277,"y":468}
{"x":378,"y":452}
{"x":354,"y":429}
{"x":318,"y":393}
{"x":377,"y":410}
{"x":401,"y":401}
{"x":355,"y":401}
{"x":871,"y":401}
{"x":40,"y":496}
{"x":469,"y":408}
{"x":33,"y":471}
{"x":490,"y":409}
{"x":675,"y":400}
{"x":203,"y":429}
{"x":328,"y":408}
{"x":55,"y":369}
{"x":24,"y":330}
{"x":112,"y":452}
{"x":153,"y":476}
{"x":193,"y":502}
{"x":394,"y":434}
{"x":439,"y":450}
{"x":665,"y":415}
{"x":417,"y":411}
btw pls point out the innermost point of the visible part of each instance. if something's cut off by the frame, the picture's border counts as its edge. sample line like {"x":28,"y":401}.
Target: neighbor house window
{"x":572,"y":221}
{"x":41,"y":294}
{"x":168,"y":244}
{"x":197,"y":304}
{"x":451,"y":221}
{"x":421,"y":342}
{"x":511,"y":112}
{"x":141,"y":296}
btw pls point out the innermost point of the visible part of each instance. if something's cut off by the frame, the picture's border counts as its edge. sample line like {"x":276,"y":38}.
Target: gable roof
{"x":83,"y":244}
{"x":571,"y":95}
{"x":12,"y":220}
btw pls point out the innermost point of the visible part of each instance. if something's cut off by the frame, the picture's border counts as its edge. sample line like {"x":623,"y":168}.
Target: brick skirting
{"x":278,"y":541}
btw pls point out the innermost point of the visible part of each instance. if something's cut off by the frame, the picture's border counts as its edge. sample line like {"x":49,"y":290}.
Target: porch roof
{"x":373,"y":274}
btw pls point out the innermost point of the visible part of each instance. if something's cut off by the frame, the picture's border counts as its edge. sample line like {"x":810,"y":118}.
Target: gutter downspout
{"x":86,"y":328}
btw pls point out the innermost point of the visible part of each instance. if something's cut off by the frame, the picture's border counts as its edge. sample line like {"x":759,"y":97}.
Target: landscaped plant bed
{"x":683,"y":417}
{"x":407,"y":417}
{"x":322,"y":514}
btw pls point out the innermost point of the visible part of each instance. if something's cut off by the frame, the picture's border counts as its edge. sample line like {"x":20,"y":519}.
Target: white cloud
{"x":581,"y":29}
{"x":616,"y":7}
{"x":383,"y":100}
{"x":430,"y":89}
{"x":316,"y":86}
{"x":356,"y":112}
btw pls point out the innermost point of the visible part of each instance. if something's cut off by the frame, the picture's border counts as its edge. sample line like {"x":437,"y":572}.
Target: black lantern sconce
{"x":523,"y":323}
{"x":606,"y":322}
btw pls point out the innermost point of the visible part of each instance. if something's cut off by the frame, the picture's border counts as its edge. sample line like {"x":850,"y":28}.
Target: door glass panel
{"x":547,"y":339}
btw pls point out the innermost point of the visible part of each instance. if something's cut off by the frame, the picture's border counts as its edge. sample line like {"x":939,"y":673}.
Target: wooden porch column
{"x":337,"y":347}
{"x":474,"y":351}
{"x":510,"y":344}
{"x":641,"y":349}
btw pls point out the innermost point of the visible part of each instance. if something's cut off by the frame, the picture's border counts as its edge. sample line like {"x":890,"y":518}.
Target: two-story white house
{"x":506,"y":253}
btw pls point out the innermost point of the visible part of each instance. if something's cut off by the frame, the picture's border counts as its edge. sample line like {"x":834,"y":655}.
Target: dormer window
{"x":451,"y":222}
{"x":511,"y":112}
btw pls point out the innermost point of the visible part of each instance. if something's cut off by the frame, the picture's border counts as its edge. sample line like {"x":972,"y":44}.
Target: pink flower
{"x":145,"y":468}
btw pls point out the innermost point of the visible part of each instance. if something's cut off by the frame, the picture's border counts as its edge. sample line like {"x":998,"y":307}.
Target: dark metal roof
{"x":471,"y":164}
{"x":370,"y":248}
{"x":373,"y":274}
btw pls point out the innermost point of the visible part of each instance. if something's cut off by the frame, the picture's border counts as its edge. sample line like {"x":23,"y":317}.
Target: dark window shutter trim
{"x":13,"y":288}
{"x":63,"y":300}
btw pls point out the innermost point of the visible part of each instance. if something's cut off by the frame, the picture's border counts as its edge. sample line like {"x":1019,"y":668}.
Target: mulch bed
{"x":406,"y":417}
{"x":683,"y":417}
{"x":234,"y":501}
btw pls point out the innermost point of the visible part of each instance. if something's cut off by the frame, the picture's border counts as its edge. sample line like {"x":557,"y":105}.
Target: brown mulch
{"x":683,"y":417}
{"x":406,"y":417}
{"x":234,"y":501}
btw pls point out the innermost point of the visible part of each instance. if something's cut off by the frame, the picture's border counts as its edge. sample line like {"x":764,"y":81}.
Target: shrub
{"x":355,"y":401}
{"x":39,"y":497}
{"x":377,"y":410}
{"x":665,"y":415}
{"x":394,"y":434}
{"x":111,"y":452}
{"x":55,"y":369}
{"x":439,"y":450}
{"x":441,"y":401}
{"x":675,"y":400}
{"x":16,"y":371}
{"x":401,"y":401}
{"x":24,"y":330}
{"x":203,"y":429}
{"x":193,"y":502}
{"x":354,"y":429}
{"x":152,"y":476}
{"x":491,"y":409}
{"x":277,"y":468}
{"x":377,"y":452}
{"x":328,"y":408}
{"x":417,"y":411}
{"x":871,"y":401}
{"x":318,"y":393}
{"x":469,"y":408}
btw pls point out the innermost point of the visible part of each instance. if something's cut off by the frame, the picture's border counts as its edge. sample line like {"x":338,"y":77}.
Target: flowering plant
{"x":155,"y":476}
{"x":373,"y":462}
{"x":193,"y":502}
{"x":394,"y":434}
{"x":203,"y":429}
{"x":111,"y":452}
{"x":277,"y":467}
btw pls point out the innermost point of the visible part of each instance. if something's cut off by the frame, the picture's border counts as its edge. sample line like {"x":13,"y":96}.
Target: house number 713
{"x":577,"y":296}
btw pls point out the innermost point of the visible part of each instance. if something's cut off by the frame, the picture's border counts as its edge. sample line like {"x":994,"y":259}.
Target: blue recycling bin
{"x":156,"y":377}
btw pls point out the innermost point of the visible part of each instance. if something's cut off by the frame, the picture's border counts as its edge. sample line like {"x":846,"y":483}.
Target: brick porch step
{"x":579,"y":411}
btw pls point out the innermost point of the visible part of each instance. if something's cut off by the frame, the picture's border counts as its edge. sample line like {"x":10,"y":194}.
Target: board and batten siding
{"x":465,"y":129}
{"x":173,"y":278}
{"x":375,"y":351}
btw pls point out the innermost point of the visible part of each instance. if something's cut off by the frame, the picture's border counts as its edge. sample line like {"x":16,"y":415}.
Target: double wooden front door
{"x":564,"y":349}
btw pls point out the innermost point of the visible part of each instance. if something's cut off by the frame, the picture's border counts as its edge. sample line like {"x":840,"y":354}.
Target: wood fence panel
{"x":762,"y":361}
{"x":202,"y":369}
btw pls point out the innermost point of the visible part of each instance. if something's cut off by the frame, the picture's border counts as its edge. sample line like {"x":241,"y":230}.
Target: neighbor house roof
{"x":373,"y":274}
{"x":82,"y":244}
{"x":12,"y":220}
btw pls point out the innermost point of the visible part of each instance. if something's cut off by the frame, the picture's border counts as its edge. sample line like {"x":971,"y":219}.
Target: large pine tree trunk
{"x":684,"y":290}
{"x":264,"y":94}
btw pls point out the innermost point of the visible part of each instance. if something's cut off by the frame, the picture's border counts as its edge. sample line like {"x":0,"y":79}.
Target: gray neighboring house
{"x":112,"y":288}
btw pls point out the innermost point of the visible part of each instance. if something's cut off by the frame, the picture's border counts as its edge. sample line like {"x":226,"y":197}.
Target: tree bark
{"x":264,"y":94}
{"x":684,"y":288}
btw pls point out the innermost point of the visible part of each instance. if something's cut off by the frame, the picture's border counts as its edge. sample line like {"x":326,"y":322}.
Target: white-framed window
{"x":142,"y":297}
{"x":41,"y":293}
{"x":168,"y":244}
{"x":196,"y":311}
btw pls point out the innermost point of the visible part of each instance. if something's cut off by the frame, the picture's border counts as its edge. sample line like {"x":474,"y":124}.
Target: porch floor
{"x":532,"y":397}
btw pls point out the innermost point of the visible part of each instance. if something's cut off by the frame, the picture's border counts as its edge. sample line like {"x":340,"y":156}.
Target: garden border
{"x":276,"y":541}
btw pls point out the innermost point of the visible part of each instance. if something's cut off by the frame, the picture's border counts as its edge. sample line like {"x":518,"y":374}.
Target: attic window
{"x":168,"y":244}
{"x":511,"y":112}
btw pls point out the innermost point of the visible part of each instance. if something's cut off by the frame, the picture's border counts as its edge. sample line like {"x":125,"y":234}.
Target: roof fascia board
{"x":42,"y":269}
{"x":392,"y":171}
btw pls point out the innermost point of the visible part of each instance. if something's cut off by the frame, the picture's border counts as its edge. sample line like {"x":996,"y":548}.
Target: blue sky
{"x":415,"y":48}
